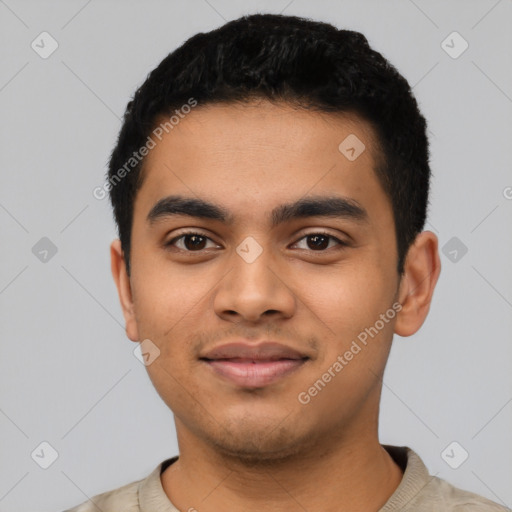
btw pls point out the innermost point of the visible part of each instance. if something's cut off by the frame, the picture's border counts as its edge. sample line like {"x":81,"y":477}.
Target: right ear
{"x":122,"y":280}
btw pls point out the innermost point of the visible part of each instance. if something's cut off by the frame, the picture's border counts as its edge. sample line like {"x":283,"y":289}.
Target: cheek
{"x":347,"y":306}
{"x":181,"y":394}
{"x":167,"y":299}
{"x":347,"y":298}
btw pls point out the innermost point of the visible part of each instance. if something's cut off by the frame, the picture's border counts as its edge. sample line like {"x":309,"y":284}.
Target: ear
{"x":118,"y":267}
{"x":421,"y":272}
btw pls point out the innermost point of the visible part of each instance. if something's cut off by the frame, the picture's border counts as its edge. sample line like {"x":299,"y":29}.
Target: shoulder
{"x":445,"y":496}
{"x":146,"y":493}
{"x":421,"y":492}
{"x":111,"y":501}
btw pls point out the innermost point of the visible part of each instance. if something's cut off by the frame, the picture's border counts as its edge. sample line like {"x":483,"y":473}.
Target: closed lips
{"x":265,"y":351}
{"x":250,"y":366}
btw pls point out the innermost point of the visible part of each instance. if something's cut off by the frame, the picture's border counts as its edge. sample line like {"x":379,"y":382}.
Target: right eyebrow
{"x":190,"y":206}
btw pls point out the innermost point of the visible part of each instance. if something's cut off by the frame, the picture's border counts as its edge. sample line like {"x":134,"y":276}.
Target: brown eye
{"x":319,"y":241}
{"x":190,"y":242}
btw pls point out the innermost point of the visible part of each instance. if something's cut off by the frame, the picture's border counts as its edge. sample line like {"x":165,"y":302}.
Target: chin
{"x":258,"y":455}
{"x":258,"y":443}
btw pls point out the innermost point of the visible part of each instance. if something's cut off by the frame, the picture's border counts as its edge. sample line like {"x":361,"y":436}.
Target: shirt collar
{"x":152,"y":497}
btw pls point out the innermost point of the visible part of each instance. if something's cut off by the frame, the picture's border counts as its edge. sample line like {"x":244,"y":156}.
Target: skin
{"x":255,"y":449}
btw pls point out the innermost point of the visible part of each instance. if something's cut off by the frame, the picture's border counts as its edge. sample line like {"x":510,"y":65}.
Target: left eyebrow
{"x":316,"y":206}
{"x":320,"y":206}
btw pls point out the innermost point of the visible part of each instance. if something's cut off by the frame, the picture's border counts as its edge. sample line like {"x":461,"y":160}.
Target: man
{"x":270,"y":186}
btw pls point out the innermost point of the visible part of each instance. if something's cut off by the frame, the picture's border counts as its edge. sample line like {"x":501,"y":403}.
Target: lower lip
{"x":254,"y":375}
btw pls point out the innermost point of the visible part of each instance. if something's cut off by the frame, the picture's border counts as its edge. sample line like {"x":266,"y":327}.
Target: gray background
{"x":68,"y":375}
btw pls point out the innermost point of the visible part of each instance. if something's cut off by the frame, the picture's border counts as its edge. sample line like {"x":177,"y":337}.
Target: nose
{"x":254,"y":290}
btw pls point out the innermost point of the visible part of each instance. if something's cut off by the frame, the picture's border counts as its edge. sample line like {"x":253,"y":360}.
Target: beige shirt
{"x":418,"y":491}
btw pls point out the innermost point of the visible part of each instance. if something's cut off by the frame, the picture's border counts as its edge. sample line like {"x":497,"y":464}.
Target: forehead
{"x":261,"y":152}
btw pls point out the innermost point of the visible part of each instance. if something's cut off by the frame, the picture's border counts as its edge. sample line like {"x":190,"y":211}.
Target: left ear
{"x":421,"y":272}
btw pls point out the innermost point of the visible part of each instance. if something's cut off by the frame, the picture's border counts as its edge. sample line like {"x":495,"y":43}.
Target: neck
{"x":352,"y":473}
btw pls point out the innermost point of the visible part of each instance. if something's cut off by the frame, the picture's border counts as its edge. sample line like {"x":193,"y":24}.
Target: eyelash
{"x":341,"y":243}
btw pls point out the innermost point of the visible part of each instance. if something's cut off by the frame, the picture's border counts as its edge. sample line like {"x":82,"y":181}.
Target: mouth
{"x":250,"y":365}
{"x":254,"y":372}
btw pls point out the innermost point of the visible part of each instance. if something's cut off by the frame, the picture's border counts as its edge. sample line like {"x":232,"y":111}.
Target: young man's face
{"x":257,"y":276}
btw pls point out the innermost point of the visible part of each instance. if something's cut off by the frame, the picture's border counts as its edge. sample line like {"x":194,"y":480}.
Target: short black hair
{"x":305,"y":63}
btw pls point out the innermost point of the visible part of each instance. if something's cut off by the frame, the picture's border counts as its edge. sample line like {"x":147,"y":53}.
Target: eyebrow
{"x":316,"y":206}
